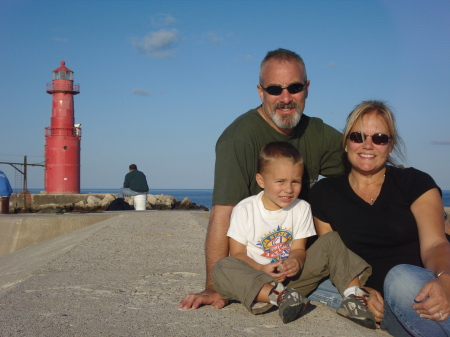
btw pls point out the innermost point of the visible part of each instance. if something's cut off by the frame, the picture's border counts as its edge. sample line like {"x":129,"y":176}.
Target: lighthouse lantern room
{"x":62,"y":138}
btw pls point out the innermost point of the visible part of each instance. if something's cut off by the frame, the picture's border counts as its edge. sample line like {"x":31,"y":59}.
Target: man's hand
{"x":216,"y":247}
{"x":376,"y":304}
{"x":206,"y":297}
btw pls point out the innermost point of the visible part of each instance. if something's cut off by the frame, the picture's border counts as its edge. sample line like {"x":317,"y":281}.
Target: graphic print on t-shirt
{"x":276,"y":245}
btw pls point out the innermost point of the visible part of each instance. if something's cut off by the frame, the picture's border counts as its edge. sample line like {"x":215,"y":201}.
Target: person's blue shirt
{"x":5,"y":187}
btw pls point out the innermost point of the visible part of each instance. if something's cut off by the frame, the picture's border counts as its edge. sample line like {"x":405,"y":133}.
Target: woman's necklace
{"x":378,"y":190}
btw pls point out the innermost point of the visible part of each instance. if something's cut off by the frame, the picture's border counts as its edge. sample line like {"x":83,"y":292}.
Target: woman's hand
{"x":376,"y":304}
{"x":434,"y":299}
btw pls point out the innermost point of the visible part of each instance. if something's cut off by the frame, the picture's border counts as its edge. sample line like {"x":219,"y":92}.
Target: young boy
{"x":268,"y":234}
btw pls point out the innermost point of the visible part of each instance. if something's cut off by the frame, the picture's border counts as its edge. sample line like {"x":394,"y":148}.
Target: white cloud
{"x":60,"y":39}
{"x":140,"y":92}
{"x":331,"y":65}
{"x":247,"y":57}
{"x":162,"y":20}
{"x":441,"y":142}
{"x":214,"y":38}
{"x":157,"y":44}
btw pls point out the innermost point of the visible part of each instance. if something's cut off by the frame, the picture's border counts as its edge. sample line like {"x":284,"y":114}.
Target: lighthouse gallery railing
{"x":54,"y":131}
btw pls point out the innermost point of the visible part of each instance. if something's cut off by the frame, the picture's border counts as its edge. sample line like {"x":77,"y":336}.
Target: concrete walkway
{"x":125,"y":277}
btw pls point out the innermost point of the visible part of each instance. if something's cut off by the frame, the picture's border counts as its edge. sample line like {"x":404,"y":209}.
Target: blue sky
{"x":160,"y":80}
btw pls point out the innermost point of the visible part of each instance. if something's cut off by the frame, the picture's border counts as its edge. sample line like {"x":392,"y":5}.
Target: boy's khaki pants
{"x":234,"y":279}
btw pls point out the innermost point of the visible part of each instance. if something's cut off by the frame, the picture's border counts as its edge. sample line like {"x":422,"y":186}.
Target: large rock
{"x":93,"y":201}
{"x":107,"y":200}
{"x":80,"y":205}
{"x":186,"y":203}
{"x":151,"y":199}
{"x":162,"y":201}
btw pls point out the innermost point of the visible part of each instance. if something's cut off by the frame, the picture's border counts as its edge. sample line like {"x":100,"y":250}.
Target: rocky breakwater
{"x":92,"y":202}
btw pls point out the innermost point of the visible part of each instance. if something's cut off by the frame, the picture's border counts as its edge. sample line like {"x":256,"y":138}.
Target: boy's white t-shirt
{"x":269,"y":234}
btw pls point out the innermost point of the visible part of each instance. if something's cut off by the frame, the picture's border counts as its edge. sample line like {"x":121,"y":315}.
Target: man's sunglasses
{"x":276,"y":90}
{"x":377,"y":138}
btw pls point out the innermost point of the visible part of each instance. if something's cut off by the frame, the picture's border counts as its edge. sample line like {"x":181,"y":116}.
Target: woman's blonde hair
{"x":382,"y":110}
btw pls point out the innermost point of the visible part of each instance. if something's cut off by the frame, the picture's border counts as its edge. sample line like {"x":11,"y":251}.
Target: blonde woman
{"x":392,"y":218}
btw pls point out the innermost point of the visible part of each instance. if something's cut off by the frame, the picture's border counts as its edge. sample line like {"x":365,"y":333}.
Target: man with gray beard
{"x":283,"y":88}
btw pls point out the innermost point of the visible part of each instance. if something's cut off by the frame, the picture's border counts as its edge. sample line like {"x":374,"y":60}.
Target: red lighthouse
{"x":62,"y":138}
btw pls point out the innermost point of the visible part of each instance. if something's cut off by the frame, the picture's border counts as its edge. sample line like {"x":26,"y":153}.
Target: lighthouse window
{"x":63,"y":75}
{"x":59,"y":75}
{"x":65,"y":147}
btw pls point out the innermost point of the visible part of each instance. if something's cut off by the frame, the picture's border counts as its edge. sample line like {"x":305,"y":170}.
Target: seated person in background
{"x":392,"y":218}
{"x":135,"y":183}
{"x":5,"y":187}
{"x":269,"y":264}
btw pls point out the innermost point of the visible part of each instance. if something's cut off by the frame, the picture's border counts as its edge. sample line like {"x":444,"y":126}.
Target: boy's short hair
{"x":277,"y":150}
{"x":133,"y":167}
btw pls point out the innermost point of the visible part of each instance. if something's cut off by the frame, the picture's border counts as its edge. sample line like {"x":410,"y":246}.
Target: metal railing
{"x":54,"y":131}
{"x":63,"y":87}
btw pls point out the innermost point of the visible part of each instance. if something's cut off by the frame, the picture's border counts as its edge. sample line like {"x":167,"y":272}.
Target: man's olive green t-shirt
{"x":238,"y":147}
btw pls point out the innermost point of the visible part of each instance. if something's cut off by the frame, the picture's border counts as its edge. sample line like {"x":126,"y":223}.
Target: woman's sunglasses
{"x":276,"y":90}
{"x":377,"y":138}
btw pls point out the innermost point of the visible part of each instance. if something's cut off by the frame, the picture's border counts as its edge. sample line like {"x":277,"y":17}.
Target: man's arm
{"x":126,"y":182}
{"x":216,"y":247}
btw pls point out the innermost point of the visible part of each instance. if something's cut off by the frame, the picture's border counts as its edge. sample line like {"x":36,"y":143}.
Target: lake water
{"x":446,"y":198}
{"x":198,"y":196}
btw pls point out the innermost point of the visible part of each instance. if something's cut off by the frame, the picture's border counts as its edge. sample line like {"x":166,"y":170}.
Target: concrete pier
{"x":17,"y":232}
{"x":124,"y":276}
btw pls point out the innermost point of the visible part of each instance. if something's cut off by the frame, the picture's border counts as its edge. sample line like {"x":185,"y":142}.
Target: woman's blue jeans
{"x":326,"y":293}
{"x":401,"y":286}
